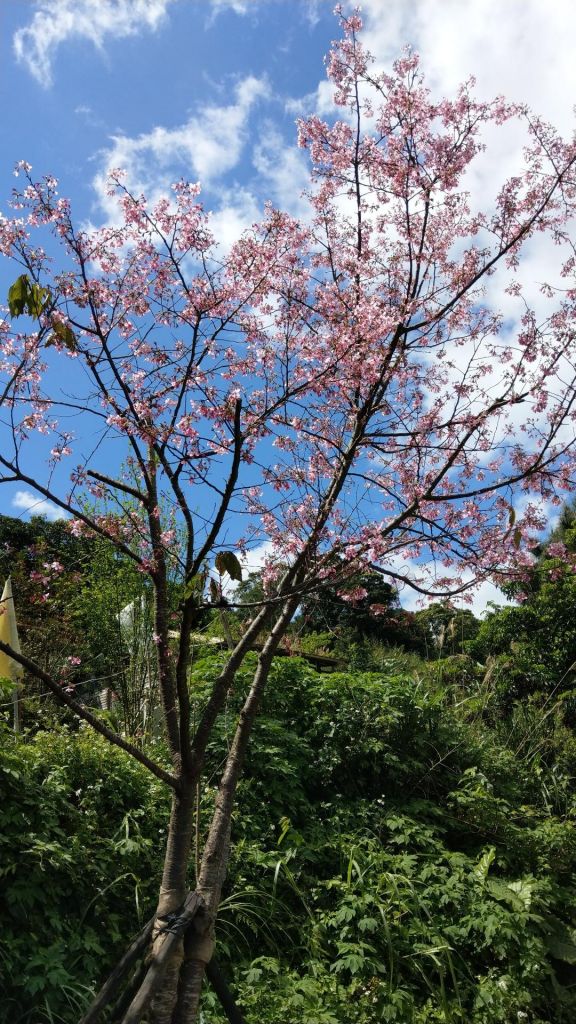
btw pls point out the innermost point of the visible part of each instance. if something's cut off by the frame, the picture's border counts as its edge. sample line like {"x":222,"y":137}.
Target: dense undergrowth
{"x":81,"y":829}
{"x":405,"y":850}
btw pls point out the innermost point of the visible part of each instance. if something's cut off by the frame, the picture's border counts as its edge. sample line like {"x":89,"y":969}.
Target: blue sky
{"x":210,"y":89}
{"x":209,"y":80}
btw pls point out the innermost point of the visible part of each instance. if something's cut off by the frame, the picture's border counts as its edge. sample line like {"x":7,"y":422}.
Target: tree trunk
{"x":155,"y":971}
{"x":200,"y":937}
{"x":173,"y":892}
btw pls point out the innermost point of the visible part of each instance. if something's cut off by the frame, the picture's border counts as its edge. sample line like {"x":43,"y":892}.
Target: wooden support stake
{"x":112,"y":985}
{"x":225,"y":997}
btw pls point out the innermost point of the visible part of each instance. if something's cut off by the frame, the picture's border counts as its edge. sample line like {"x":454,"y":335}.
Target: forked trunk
{"x":199,"y":944}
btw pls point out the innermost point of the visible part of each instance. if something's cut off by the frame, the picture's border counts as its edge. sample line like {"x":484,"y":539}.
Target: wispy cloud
{"x":57,"y":21}
{"x":282,"y":169}
{"x":238,"y":6}
{"x":29,"y":502}
{"x":236,"y":209}
{"x":207,"y":146}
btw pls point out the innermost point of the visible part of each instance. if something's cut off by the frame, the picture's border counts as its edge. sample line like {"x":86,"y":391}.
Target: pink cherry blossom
{"x":342,"y":382}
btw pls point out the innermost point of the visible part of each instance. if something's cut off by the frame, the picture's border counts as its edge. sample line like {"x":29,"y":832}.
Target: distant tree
{"x":249,"y":596}
{"x":558,"y":547}
{"x":362,"y":607}
{"x":563,"y":533}
{"x":359,"y":603}
{"x":373,"y":612}
{"x":445,"y":629}
{"x":538,"y":636}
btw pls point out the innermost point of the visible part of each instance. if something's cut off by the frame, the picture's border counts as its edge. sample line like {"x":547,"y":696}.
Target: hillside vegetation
{"x":405,"y":841}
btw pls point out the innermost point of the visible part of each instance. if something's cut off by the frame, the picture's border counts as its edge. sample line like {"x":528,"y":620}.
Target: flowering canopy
{"x":335,"y":386}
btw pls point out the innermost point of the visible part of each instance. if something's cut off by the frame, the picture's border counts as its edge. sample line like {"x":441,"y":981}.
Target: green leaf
{"x":517,"y":537}
{"x":561,"y":946}
{"x":26,"y":296}
{"x":37,"y":298}
{"x":483,"y":866}
{"x":17,"y":296}
{"x":63,"y":334}
{"x":285,"y":826}
{"x":523,"y":889}
{"x":226,"y":561}
{"x":503,"y":892}
{"x":368,"y":924}
{"x":253,"y":976}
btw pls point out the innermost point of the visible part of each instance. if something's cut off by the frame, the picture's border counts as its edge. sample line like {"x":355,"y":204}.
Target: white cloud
{"x":253,"y":561}
{"x":477,"y":598}
{"x":29,"y":502}
{"x":207,"y":146}
{"x":516,"y":49}
{"x":256,"y":559}
{"x":283,"y":171}
{"x":484,"y":595}
{"x":312,"y":11}
{"x":320,"y":101}
{"x":238,"y":6}
{"x":237,"y":209}
{"x":56,"y":21}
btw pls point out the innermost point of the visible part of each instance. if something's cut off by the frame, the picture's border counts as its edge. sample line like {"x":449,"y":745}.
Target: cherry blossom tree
{"x":344,"y":389}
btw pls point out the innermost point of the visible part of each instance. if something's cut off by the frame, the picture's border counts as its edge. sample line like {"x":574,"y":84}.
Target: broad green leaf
{"x":26,"y":296}
{"x":484,"y":864}
{"x":503,"y":891}
{"x":523,"y":889}
{"x":37,"y":297}
{"x":17,"y":296}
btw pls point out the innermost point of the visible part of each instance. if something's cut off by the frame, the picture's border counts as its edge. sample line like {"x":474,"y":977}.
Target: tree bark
{"x":200,"y":939}
{"x":162,"y":976}
{"x":173,"y":891}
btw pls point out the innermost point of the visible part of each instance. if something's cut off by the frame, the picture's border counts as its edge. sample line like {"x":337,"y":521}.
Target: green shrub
{"x":81,"y":836}
{"x":420,"y":872}
{"x":398,"y":855}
